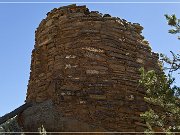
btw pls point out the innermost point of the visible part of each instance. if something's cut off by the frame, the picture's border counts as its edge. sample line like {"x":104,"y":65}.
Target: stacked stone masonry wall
{"x":88,"y":65}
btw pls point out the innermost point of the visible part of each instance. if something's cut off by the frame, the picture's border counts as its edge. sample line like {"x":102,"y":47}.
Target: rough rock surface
{"x":87,"y":65}
{"x":45,"y":114}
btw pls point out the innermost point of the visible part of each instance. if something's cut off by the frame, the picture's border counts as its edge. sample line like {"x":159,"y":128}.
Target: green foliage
{"x":173,"y":64}
{"x":162,"y":92}
{"x":10,"y":126}
{"x":158,"y":86}
{"x":173,"y":22}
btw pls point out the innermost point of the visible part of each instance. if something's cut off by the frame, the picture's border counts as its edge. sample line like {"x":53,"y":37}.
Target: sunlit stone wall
{"x":88,"y":65}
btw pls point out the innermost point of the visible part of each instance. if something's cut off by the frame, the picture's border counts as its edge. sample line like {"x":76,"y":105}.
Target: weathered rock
{"x":87,"y":65}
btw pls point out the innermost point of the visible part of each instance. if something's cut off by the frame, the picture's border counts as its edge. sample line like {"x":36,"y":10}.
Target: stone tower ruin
{"x":85,"y":72}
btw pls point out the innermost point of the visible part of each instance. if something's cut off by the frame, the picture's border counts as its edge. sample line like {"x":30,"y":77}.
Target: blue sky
{"x":18,"y":23}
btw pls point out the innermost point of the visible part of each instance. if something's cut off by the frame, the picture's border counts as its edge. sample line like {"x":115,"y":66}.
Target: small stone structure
{"x":85,"y":72}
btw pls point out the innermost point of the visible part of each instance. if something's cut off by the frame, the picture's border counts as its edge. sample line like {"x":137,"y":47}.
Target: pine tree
{"x":162,"y":92}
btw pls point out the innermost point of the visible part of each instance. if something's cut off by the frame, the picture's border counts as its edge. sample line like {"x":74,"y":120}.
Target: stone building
{"x":85,"y":71}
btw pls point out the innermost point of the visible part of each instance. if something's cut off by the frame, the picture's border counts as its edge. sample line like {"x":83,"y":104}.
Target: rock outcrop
{"x":85,"y":72}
